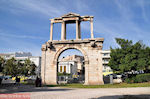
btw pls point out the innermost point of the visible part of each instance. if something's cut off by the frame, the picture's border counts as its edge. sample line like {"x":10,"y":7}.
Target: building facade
{"x":71,"y":64}
{"x":105,"y":60}
{"x":15,"y":54}
{"x":69,"y":67}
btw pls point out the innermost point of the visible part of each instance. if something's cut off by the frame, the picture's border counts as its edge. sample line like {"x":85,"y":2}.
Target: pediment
{"x":71,"y":15}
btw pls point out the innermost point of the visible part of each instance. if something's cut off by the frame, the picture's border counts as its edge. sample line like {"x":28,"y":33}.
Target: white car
{"x":117,"y":79}
{"x":7,"y":79}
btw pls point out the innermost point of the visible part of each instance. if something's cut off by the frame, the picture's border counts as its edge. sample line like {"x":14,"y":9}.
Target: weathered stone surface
{"x":92,"y":56}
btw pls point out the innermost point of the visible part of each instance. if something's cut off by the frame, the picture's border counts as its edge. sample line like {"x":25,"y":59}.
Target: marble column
{"x":78,"y":34}
{"x":63,"y":31}
{"x":92,"y":34}
{"x":79,"y":30}
{"x":51,"y":32}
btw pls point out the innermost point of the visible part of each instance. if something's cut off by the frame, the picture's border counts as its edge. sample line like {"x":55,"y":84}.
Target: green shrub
{"x":128,"y":80}
{"x":63,"y":74}
{"x":139,"y":78}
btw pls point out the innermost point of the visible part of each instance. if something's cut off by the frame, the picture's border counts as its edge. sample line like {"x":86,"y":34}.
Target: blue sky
{"x":24,"y":24}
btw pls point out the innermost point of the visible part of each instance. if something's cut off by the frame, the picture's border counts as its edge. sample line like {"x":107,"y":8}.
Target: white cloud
{"x":142,"y":4}
{"x":20,"y":36}
{"x":13,"y":45}
{"x":40,"y":7}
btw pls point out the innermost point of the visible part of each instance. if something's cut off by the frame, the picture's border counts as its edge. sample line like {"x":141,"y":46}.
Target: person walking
{"x":37,"y":81}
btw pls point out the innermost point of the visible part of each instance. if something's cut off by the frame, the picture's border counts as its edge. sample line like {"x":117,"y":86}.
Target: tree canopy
{"x":130,"y":56}
{"x":11,"y":67}
{"x":15,"y":67}
{"x":28,"y":68}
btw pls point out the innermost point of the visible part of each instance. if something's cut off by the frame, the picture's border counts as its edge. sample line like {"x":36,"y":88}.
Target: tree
{"x":11,"y":68}
{"x":2,"y":62}
{"x":118,"y":61}
{"x":130,"y":56}
{"x":28,"y":68}
{"x":16,"y":67}
{"x":147,"y":55}
{"x":124,"y":44}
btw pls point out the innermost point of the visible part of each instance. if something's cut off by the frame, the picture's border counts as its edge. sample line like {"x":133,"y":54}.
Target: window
{"x":60,"y":68}
{"x":105,"y":54}
{"x":106,"y":60}
{"x":64,"y":68}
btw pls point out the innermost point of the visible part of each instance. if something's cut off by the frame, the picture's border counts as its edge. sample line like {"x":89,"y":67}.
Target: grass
{"x":121,"y":85}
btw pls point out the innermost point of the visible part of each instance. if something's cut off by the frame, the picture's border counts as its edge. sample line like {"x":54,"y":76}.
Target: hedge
{"x":139,"y":78}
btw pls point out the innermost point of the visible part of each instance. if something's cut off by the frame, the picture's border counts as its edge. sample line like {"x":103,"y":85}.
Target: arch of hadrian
{"x":90,"y":48}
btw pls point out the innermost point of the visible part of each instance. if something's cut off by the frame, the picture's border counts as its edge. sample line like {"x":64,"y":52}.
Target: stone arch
{"x":58,"y":53}
{"x":86,"y":59}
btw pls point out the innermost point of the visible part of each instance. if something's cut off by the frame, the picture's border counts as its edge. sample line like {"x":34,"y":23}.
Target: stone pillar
{"x":63,"y":31}
{"x":86,"y":73}
{"x":51,"y":32}
{"x":79,"y":30}
{"x":91,"y":22}
{"x":78,"y":35}
{"x":43,"y":63}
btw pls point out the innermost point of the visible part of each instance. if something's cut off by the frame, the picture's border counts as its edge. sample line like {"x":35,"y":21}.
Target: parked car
{"x":22,"y":78}
{"x":117,"y":79}
{"x":7,"y":79}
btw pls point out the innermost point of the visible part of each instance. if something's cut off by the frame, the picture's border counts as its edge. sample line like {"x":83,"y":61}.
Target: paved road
{"x":101,"y":93}
{"x":77,"y":93}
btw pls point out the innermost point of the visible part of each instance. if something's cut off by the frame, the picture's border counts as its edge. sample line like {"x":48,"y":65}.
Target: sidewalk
{"x":78,"y":93}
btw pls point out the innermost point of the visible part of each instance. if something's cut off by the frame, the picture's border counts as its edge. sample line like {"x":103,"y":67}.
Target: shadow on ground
{"x":146,"y":96}
{"x":10,"y":88}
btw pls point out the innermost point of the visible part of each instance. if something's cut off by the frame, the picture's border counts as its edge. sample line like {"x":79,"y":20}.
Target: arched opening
{"x":71,"y":66}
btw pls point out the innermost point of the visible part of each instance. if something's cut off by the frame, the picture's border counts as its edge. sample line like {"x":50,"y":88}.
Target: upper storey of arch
{"x":71,"y":18}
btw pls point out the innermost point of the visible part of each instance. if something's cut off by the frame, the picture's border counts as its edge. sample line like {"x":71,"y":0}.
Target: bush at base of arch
{"x":63,"y":74}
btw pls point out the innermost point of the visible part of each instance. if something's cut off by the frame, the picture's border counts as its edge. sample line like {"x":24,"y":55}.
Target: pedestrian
{"x":17,"y":80}
{"x":1,"y":81}
{"x":37,"y":82}
{"x":40,"y":82}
